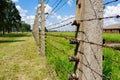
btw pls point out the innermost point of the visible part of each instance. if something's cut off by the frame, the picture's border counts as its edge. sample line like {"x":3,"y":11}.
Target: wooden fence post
{"x":42,"y":42}
{"x":35,"y":30}
{"x":89,"y":66}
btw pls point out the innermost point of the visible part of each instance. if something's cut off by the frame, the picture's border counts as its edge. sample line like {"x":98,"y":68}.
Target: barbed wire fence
{"x":79,"y":39}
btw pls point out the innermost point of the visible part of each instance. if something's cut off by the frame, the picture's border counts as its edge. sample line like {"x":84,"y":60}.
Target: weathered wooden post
{"x":35,"y":29}
{"x":88,"y":64}
{"x":42,"y":42}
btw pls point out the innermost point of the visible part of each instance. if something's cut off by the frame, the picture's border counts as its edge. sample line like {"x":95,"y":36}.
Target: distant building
{"x":112,"y":28}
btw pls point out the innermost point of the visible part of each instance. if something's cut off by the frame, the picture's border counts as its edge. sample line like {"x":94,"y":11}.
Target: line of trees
{"x":10,"y":19}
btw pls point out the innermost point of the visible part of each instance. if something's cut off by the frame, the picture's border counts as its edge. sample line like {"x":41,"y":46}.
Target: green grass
{"x":58,"y":58}
{"x":111,"y":64}
{"x":19,"y":58}
{"x":114,"y":37}
{"x":15,"y":35}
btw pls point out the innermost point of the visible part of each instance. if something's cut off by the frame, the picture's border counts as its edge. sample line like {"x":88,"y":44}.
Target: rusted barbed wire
{"x":60,"y":21}
{"x":60,"y":26}
{"x":117,"y":16}
{"x":101,"y":75}
{"x":110,"y":2}
{"x":74,"y":40}
{"x":93,"y":43}
{"x":59,"y":2}
{"x":59,"y":62}
{"x":71,"y":38}
{"x":64,"y":25}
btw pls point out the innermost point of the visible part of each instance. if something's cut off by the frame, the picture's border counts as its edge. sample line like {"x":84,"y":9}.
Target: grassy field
{"x":112,"y":37}
{"x":57,"y":51}
{"x":19,"y":59}
{"x":111,"y":64}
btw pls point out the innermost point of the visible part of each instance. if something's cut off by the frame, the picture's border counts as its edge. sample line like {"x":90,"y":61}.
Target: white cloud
{"x":48,"y":8}
{"x":66,"y":20}
{"x":110,"y":22}
{"x":22,"y":11}
{"x":111,"y":11}
{"x":15,"y":0}
{"x":28,"y":19}
{"x":55,"y":18}
{"x":70,"y":2}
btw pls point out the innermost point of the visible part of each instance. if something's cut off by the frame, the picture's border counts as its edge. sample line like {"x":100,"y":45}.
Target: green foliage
{"x":10,"y":19}
{"x":25,"y":27}
{"x":9,"y":16}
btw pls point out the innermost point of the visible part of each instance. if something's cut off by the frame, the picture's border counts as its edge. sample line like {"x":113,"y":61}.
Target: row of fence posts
{"x":87,"y":57}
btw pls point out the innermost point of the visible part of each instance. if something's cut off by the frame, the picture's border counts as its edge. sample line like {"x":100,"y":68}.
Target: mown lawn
{"x":19,"y":58}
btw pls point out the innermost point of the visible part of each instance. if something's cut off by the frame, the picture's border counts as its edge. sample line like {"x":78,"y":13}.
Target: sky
{"x":27,"y":9}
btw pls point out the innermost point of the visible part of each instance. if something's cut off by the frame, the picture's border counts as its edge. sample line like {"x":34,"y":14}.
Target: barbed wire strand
{"x":47,"y":1}
{"x":64,"y":25}
{"x":110,"y":2}
{"x":50,"y":71}
{"x":71,"y":37}
{"x":94,"y":55}
{"x":117,"y":16}
{"x":60,"y":22}
{"x":101,"y":75}
{"x":62,"y":5}
{"x":60,"y":62}
{"x":57,"y":4}
{"x":88,"y":65}
{"x":96,"y":15}
{"x":76,"y":40}
{"x":109,"y":17}
{"x":60,"y":50}
{"x":54,"y":11}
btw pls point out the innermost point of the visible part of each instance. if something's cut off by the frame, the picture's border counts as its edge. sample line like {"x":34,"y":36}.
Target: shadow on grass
{"x":15,"y":35}
{"x":9,"y":41}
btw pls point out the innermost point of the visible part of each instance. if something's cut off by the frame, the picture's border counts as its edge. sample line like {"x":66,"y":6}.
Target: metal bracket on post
{"x":72,"y":77}
{"x":73,"y":59}
{"x":74,"y":41}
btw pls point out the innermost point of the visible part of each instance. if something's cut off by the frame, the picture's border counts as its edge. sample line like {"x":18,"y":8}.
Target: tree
{"x":10,"y":17}
{"x":3,"y":4}
{"x":25,"y":27}
{"x":13,"y":17}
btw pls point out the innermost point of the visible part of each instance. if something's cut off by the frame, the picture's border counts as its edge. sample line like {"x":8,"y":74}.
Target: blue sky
{"x":27,"y":9}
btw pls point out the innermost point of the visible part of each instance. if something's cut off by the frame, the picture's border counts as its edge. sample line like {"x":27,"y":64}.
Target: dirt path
{"x":19,"y":60}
